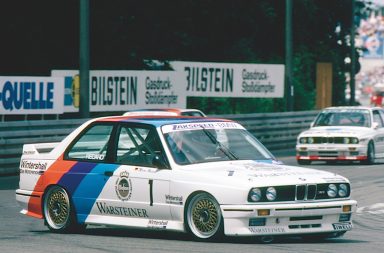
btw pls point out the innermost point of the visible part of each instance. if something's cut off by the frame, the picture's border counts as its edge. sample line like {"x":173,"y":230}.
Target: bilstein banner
{"x":208,"y":79}
{"x":111,"y":90}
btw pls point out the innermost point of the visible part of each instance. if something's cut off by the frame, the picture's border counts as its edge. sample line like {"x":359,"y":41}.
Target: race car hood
{"x":249,"y":173}
{"x":333,"y":131}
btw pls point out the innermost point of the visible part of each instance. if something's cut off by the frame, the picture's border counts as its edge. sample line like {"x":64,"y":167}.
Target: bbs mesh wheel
{"x":203,"y":217}
{"x":58,"y":213}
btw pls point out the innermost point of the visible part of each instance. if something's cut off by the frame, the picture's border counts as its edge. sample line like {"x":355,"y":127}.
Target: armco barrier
{"x":275,"y":130}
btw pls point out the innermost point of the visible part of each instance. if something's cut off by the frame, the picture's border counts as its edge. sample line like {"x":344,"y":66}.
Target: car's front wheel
{"x":203,"y":217}
{"x":370,"y":154}
{"x":58,"y":211}
{"x":304,"y":162}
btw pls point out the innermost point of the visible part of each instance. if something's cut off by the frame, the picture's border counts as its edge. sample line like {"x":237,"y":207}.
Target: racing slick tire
{"x":58,"y":211}
{"x":203,"y":217}
{"x":370,"y":155}
{"x":304,"y":162}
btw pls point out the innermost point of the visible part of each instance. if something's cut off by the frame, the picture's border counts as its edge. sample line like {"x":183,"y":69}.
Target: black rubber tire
{"x":370,"y":155}
{"x":203,"y":217}
{"x":58,"y":212}
{"x":304,"y":162}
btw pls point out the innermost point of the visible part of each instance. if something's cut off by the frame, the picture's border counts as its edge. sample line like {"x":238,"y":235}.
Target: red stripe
{"x":51,"y":176}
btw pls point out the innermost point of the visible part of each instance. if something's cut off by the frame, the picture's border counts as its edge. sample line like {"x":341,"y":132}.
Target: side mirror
{"x":159,"y":162}
{"x":375,"y":125}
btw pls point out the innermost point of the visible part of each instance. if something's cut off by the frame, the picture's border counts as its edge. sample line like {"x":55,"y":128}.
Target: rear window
{"x":92,"y":144}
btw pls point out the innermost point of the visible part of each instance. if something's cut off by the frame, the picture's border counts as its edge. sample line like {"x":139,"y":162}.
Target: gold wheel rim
{"x":58,"y":208}
{"x":205,"y":216}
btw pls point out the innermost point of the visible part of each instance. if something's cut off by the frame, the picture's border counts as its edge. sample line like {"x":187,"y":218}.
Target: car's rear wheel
{"x":58,"y":211}
{"x":370,"y":154}
{"x":203,"y":217}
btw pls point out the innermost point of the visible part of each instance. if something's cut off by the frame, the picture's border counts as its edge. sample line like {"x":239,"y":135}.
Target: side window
{"x":92,"y":145}
{"x":377,"y":118}
{"x":381,"y":114}
{"x":137,"y":146}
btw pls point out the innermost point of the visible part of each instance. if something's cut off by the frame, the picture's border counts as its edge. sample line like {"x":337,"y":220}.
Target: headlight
{"x":343,"y":190}
{"x":310,"y":140}
{"x":346,"y":140}
{"x":303,"y":140}
{"x":271,"y":193}
{"x":254,"y":195}
{"x":332,"y":190}
{"x":354,"y":140}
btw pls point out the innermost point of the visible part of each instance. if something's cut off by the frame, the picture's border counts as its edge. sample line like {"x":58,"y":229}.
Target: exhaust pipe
{"x":267,"y":239}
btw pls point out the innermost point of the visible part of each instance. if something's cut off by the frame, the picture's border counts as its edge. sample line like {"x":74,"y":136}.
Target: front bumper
{"x":329,"y":152}
{"x":288,"y":219}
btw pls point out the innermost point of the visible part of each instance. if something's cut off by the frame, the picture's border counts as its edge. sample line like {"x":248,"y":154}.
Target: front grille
{"x":305,"y":226}
{"x":302,"y":192}
{"x":301,"y":218}
{"x":306,"y":192}
{"x":336,"y":140}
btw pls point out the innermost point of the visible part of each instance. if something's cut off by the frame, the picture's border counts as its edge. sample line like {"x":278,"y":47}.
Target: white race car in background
{"x":351,"y":133}
{"x":199,"y":175}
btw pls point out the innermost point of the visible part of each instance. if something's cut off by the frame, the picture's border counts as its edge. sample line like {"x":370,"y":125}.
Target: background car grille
{"x":336,"y":140}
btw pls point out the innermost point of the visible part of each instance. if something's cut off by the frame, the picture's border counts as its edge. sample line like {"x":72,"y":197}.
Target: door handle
{"x":108,"y":173}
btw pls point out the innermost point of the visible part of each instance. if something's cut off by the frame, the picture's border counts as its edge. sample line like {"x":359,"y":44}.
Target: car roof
{"x":159,"y":120}
{"x":163,"y":111}
{"x":351,"y":108}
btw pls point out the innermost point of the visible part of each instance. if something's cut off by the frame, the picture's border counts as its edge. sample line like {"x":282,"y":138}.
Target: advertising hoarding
{"x":31,"y":95}
{"x":207,"y":79}
{"x":111,"y":90}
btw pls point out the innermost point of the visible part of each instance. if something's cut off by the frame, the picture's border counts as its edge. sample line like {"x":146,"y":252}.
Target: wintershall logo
{"x":33,"y":166}
{"x":174,"y":199}
{"x":123,"y":186}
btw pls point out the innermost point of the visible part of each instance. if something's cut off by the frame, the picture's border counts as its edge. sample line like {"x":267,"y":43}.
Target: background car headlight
{"x":254,"y":194}
{"x":332,"y":190}
{"x":303,"y":140}
{"x":271,"y":193}
{"x":354,"y":140}
{"x":310,"y":140}
{"x":343,"y":190}
{"x":346,"y":140}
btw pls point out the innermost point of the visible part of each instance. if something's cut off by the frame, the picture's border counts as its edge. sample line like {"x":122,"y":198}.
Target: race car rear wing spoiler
{"x":39,"y":148}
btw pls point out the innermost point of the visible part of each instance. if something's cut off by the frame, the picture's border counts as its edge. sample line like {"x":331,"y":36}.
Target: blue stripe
{"x":75,"y":175}
{"x":85,"y":195}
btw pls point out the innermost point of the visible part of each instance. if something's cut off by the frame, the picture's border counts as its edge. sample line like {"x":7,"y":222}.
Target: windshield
{"x":359,"y":118}
{"x":205,"y":143}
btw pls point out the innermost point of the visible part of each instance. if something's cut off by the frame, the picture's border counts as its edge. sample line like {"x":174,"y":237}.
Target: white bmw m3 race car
{"x":343,"y":134}
{"x":204,"y":176}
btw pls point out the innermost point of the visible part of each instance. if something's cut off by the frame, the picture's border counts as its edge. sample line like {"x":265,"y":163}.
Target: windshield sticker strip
{"x":202,"y":125}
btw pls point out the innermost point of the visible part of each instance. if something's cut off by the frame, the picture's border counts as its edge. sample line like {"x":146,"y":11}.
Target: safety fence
{"x":275,"y":130}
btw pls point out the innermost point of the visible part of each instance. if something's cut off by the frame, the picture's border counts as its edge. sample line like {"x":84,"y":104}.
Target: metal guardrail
{"x":275,"y":130}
